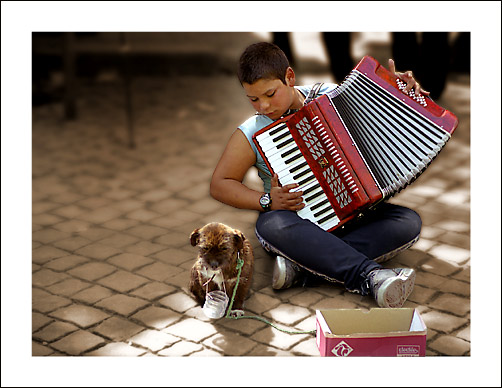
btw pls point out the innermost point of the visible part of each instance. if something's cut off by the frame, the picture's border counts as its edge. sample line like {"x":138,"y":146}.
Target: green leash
{"x":240,"y":264}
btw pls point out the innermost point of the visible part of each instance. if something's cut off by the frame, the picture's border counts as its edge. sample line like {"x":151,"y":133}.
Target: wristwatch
{"x":266,"y":202}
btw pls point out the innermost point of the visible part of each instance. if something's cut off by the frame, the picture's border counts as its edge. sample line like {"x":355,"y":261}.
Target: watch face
{"x":265,"y":200}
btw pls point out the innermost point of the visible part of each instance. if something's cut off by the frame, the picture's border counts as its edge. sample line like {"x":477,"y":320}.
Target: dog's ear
{"x":239,"y":239}
{"x":194,"y":237}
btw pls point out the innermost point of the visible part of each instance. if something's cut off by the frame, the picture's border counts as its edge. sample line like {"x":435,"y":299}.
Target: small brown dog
{"x":219,"y":246}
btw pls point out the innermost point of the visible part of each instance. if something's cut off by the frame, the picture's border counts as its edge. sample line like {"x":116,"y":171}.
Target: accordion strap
{"x":313,"y":92}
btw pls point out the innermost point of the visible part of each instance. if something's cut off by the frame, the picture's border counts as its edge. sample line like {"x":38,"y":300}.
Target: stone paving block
{"x":421,"y":295}
{"x":46,"y":219}
{"x":97,"y":251}
{"x":159,"y":271}
{"x":268,"y":351}
{"x":179,"y":302}
{"x":122,"y":281}
{"x":450,"y":346}
{"x":273,"y":337}
{"x":117,"y":349}
{"x":154,"y":339}
{"x":287,"y":314}
{"x":82,"y":316}
{"x":153,"y":290}
{"x":168,"y":206}
{"x":147,"y":232}
{"x":245,"y":326}
{"x":157,"y":317}
{"x":72,"y":226}
{"x":442,"y":322}
{"x":55,"y":330}
{"x":122,"y":304}
{"x":429,"y":280}
{"x":456,"y":287}
{"x":333,"y":303}
{"x":72,"y":244}
{"x":38,"y":350}
{"x":306,"y":348}
{"x":68,"y":287}
{"x":142,"y":215}
{"x":180,"y":349}
{"x":44,"y":302}
{"x":38,"y":320}
{"x":119,"y":240}
{"x":117,"y":329}
{"x":66,"y":198}
{"x":95,"y":233}
{"x":77,"y":343}
{"x":174,"y":239}
{"x":454,"y":226}
{"x":92,"y":271}
{"x":175,"y":256}
{"x":94,"y":202}
{"x":46,"y":277}
{"x":46,"y":253}
{"x":258,"y":303}
{"x":465,"y":334}
{"x":93,"y":294}
{"x":230,"y":344}
{"x":451,"y":303}
{"x":129,"y":261}
{"x":455,"y":239}
{"x":205,"y":353}
{"x":39,"y":207}
{"x":119,"y":194}
{"x":70,"y":211}
{"x":206,"y":205}
{"x":120,"y":224}
{"x":144,"y":248}
{"x":191,"y":329}
{"x":180,"y":280}
{"x":439,"y":267}
{"x":451,"y":254}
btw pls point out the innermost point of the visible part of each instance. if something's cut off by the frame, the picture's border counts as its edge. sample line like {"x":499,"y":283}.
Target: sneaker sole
{"x":279,"y":275}
{"x":394,"y":291}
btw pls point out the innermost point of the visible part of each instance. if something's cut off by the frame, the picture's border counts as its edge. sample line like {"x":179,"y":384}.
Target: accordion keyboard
{"x":288,"y":163}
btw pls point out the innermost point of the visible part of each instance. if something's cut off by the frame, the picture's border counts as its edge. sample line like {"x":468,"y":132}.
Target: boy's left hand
{"x":407,"y":77}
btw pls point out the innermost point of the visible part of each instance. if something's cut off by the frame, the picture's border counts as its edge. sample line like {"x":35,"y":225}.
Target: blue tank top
{"x":257,"y":122}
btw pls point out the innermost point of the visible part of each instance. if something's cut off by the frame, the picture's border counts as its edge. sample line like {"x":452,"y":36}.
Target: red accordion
{"x":356,"y":146}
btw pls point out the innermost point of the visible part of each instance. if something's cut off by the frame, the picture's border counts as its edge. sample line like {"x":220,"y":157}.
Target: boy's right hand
{"x":283,"y":199}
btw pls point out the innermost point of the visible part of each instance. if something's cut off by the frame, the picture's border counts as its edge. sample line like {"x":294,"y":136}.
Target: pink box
{"x":378,"y":332}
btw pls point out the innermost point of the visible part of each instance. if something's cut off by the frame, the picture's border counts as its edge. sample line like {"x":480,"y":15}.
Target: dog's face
{"x":218,"y":245}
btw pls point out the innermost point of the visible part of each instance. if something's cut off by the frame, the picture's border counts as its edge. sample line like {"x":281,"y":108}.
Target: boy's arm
{"x":226,"y":183}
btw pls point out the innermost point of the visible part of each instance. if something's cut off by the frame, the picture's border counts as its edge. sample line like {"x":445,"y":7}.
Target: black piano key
{"x":322,"y":211}
{"x":289,"y":152}
{"x":278,"y":138}
{"x":278,"y":129}
{"x":296,"y":168}
{"x":309,"y":178}
{"x":311,"y":198}
{"x":299,"y":175}
{"x":290,"y":160}
{"x":323,"y":220}
{"x":310,"y":189}
{"x":285,"y":143}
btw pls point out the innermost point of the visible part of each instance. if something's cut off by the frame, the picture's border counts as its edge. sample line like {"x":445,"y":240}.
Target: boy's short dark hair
{"x":262,"y":61}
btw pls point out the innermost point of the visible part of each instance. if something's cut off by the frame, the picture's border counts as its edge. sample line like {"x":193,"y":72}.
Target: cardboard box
{"x":378,"y":332}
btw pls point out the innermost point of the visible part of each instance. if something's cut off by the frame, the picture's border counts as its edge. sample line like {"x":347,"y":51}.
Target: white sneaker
{"x":391,"y":287}
{"x":286,"y":273}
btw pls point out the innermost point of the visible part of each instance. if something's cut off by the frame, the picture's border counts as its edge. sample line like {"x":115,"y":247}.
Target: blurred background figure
{"x":430,"y":55}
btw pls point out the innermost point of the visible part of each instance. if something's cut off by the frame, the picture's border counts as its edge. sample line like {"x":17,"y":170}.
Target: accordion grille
{"x":396,"y":142}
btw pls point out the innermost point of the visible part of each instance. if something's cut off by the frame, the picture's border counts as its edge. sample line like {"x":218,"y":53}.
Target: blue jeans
{"x":347,"y":254}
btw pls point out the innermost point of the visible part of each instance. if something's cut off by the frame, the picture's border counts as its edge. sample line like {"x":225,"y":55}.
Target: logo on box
{"x":342,"y":349}
{"x":408,"y":350}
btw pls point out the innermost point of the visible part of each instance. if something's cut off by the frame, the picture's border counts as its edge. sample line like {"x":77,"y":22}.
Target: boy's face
{"x":271,"y":97}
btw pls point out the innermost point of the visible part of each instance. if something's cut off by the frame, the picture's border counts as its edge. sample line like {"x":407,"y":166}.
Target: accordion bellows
{"x":356,"y":146}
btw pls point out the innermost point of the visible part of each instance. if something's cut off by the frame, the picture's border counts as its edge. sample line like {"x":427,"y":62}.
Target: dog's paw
{"x":236,"y":313}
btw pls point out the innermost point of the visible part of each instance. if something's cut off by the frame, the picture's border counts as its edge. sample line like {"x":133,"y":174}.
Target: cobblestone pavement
{"x":111,"y":226}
